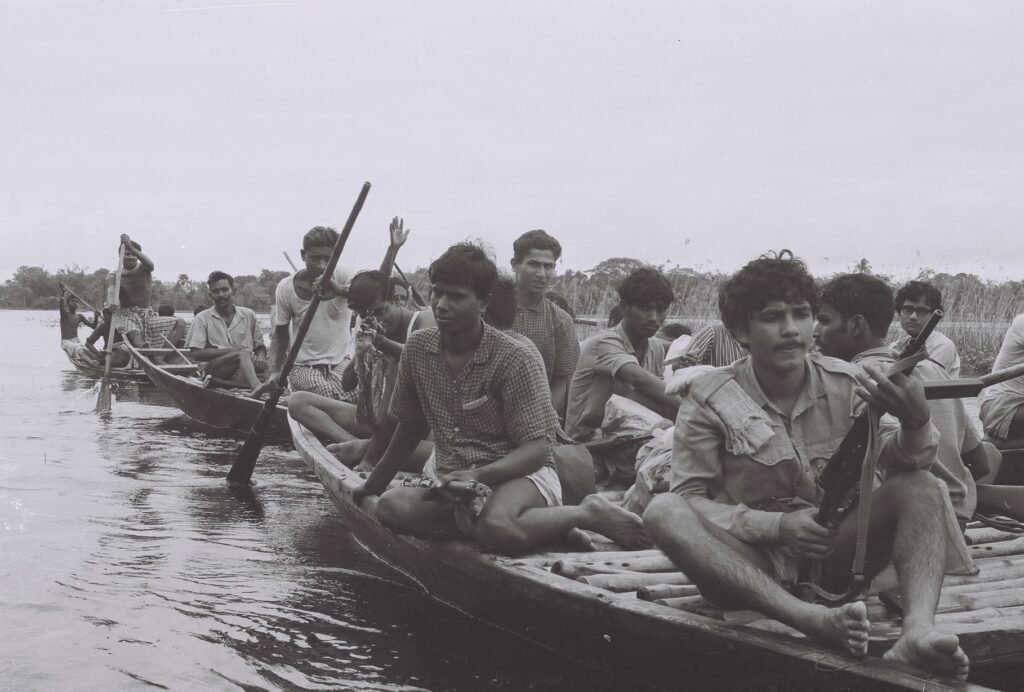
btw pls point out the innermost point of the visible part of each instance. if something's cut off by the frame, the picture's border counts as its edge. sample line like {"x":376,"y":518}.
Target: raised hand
{"x":897,"y":394}
{"x":399,"y":234}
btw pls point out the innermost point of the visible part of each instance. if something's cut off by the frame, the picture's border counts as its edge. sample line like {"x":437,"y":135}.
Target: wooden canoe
{"x":587,"y":605}
{"x":224,"y":409}
{"x":116,"y":374}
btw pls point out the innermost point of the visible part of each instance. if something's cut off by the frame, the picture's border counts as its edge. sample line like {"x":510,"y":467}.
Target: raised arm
{"x":399,"y":234}
{"x":145,"y":264}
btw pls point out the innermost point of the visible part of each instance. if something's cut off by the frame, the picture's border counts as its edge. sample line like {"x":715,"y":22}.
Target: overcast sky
{"x":694,"y":133}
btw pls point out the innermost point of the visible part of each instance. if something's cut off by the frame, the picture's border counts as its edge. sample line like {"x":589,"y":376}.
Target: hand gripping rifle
{"x":848,"y":478}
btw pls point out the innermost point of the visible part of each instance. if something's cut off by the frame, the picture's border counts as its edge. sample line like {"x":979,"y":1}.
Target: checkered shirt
{"x":552,"y":331}
{"x":498,"y":402}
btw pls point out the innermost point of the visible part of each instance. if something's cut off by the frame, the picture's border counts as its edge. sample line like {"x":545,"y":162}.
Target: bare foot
{"x":932,"y":651}
{"x":349,"y":453}
{"x":620,"y":525}
{"x":846,"y":627}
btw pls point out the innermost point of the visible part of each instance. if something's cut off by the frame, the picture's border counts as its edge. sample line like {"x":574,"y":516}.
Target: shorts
{"x":544,"y":479}
{"x":323,"y":379}
{"x":72,"y":347}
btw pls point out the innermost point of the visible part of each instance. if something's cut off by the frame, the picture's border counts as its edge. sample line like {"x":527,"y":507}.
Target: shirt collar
{"x":620,"y":330}
{"x":878,"y":352}
{"x":813,"y":388}
{"x":483,"y":350}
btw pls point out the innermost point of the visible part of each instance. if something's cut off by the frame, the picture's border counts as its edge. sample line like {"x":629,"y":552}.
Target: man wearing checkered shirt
{"x":487,"y":401}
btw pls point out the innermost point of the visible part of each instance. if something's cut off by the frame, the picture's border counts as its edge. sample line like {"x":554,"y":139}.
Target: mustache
{"x":788,"y":344}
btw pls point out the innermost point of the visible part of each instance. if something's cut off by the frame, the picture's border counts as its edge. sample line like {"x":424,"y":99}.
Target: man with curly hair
{"x":750,"y":441}
{"x":624,"y":359}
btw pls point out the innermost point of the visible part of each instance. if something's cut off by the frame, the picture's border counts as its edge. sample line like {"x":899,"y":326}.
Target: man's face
{"x":778,"y":335}
{"x":221,"y":293}
{"x":130,"y":260}
{"x":913,"y":315}
{"x":316,"y":258}
{"x":400,"y":296}
{"x":643,"y":321}
{"x":832,"y":334}
{"x":535,"y":270}
{"x":457,"y":308}
{"x":387,"y":314}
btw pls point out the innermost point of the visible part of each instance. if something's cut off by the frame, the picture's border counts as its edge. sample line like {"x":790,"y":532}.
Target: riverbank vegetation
{"x":978,"y":311}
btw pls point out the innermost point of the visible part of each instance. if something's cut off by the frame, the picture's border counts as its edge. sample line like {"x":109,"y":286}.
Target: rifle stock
{"x":969,"y":386}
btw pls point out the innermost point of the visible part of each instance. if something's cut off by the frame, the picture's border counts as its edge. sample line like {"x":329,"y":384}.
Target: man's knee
{"x":667,"y":514}
{"x":298,"y":403}
{"x":917,"y":487}
{"x":392,"y":512}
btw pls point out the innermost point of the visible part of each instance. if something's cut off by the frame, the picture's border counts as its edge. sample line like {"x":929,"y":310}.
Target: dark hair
{"x":501,"y":310}
{"x":770,"y":277}
{"x":465,"y":264}
{"x":646,"y":286}
{"x":615,"y":315}
{"x":864,"y":295}
{"x":165,"y":310}
{"x":559,"y":300}
{"x":535,"y":240}
{"x":674,"y":330}
{"x":367,"y":288}
{"x":216,"y":276}
{"x":319,"y":236}
{"x":922,"y":290}
{"x":199,"y":308}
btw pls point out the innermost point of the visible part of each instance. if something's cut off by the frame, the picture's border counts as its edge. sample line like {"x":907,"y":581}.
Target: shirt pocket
{"x":772,"y":472}
{"x":482,"y":418}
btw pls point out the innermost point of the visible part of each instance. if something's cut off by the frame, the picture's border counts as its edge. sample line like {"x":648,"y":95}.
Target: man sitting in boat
{"x":399,"y":293}
{"x":327,"y":347}
{"x":750,"y":442}
{"x":133,"y":316}
{"x":550,"y":328}
{"x":227,"y":338}
{"x":1002,"y":405}
{"x":336,"y":421}
{"x":624,"y":360}
{"x":712,"y":345}
{"x":70,"y":322}
{"x":486,"y":398}
{"x":915,"y":303}
{"x":119,"y":357}
{"x":852,"y":322}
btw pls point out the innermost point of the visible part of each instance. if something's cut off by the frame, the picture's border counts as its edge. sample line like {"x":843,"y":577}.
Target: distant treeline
{"x":967,"y":297}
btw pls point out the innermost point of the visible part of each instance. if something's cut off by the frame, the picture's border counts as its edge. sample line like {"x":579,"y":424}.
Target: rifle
{"x":969,"y":386}
{"x":848,"y":477}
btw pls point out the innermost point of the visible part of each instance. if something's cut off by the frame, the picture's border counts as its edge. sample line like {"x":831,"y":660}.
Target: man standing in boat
{"x":624,"y":359}
{"x":228,"y":338}
{"x":750,"y":442}
{"x":549,"y":327}
{"x":133,"y":315}
{"x":70,"y":322}
{"x":486,"y":398}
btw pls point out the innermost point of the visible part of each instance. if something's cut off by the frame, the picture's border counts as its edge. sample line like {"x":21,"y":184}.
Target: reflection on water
{"x":129,"y":563}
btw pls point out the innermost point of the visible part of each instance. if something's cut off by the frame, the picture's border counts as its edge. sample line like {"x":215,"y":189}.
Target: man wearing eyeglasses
{"x":386,"y":327}
{"x":915,"y":303}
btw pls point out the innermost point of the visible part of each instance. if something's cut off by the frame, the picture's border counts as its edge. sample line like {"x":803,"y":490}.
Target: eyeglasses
{"x":908,"y":310}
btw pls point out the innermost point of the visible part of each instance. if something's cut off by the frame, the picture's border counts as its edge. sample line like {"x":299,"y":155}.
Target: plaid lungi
{"x":323,"y":379}
{"x":146,"y":321}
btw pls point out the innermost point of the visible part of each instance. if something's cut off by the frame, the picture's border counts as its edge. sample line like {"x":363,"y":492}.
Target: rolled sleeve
{"x":282,"y":305}
{"x":198,"y":335}
{"x":610,"y":355}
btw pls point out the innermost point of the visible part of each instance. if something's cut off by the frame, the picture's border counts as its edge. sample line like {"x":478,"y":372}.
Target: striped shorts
{"x":323,"y":379}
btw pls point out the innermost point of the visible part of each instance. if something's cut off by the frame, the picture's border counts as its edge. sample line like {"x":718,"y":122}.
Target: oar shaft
{"x":415,"y":294}
{"x":79,"y":299}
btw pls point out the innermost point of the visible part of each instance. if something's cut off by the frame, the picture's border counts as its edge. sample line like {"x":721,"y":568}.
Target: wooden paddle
{"x":103,"y":398}
{"x":241,"y":470}
{"x":78,"y":298}
{"x":292,"y":264}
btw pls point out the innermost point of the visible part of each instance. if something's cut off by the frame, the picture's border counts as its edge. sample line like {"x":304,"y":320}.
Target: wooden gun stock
{"x":969,"y":386}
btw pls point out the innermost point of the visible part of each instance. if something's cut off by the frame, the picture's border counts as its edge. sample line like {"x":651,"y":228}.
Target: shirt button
{"x":456,"y":428}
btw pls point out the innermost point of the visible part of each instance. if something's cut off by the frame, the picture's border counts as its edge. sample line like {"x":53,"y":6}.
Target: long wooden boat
{"x":633,"y":614}
{"x":117,"y":374}
{"x":224,"y":409}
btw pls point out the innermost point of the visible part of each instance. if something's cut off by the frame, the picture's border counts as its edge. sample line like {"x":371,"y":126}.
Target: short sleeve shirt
{"x":714,"y":345}
{"x":941,"y":349}
{"x":498,"y":402}
{"x":210,"y":330}
{"x":329,"y":339}
{"x":593,"y":383}
{"x":553,"y":332}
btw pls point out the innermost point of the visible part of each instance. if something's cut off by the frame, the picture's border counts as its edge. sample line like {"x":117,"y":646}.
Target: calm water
{"x":127,"y":563}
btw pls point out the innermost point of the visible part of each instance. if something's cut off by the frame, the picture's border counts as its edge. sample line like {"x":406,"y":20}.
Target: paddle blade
{"x":245,"y":464}
{"x":103,"y":398}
